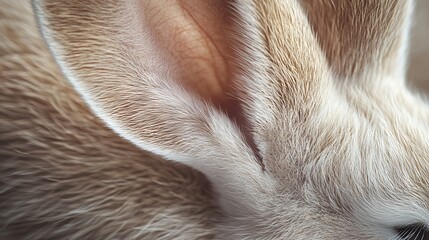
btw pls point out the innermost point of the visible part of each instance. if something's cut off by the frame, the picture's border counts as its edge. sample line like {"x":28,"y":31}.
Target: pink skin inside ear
{"x":194,"y":36}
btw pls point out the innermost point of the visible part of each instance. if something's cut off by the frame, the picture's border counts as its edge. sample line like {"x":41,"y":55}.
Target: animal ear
{"x":363,"y":38}
{"x":290,"y":80}
{"x":144,"y":67}
{"x":136,"y":64}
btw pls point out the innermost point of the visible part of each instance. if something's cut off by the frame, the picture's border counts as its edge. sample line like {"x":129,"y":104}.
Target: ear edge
{"x":113,"y":124}
{"x":117,"y":127}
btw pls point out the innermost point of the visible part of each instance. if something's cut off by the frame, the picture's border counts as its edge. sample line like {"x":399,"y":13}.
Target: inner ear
{"x":193,"y":40}
{"x":199,"y":41}
{"x":113,"y":50}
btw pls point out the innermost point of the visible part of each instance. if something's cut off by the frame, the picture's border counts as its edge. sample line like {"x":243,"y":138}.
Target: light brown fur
{"x":53,"y":150}
{"x":330,"y":143}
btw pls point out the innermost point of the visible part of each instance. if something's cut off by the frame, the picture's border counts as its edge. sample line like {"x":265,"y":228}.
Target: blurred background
{"x":418,"y":72}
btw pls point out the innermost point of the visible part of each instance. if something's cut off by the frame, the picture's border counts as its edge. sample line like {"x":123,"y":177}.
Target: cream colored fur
{"x":63,"y":174}
{"x":329,"y":143}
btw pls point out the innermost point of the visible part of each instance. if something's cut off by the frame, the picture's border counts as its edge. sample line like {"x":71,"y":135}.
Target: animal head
{"x":297,"y":111}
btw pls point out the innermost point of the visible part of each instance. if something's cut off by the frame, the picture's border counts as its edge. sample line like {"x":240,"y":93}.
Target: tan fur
{"x":330,"y":143}
{"x":63,"y":174}
{"x":341,"y":26}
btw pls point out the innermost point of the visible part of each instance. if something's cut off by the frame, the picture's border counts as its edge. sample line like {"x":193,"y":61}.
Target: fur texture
{"x":328,"y":142}
{"x":63,"y":174}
